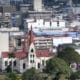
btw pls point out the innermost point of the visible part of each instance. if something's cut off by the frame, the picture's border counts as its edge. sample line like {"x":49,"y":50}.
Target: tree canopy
{"x":75,"y":75}
{"x":69,"y":55}
{"x":57,"y":65}
{"x":8,"y":69}
{"x":31,"y":74}
{"x":11,"y":76}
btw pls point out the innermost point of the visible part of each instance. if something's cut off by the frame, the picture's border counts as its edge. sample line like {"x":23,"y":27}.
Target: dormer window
{"x":32,"y":50}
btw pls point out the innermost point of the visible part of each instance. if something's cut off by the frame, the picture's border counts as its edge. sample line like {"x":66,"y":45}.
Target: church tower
{"x":31,"y":51}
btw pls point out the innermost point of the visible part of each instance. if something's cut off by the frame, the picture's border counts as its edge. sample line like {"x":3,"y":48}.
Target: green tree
{"x":75,"y":75}
{"x":31,"y":74}
{"x":69,"y":55}
{"x":11,"y":76}
{"x":57,"y":66}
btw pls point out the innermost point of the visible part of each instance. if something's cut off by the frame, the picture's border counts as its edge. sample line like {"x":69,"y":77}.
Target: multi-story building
{"x":43,"y":42}
{"x":45,"y":25}
{"x":4,"y":2}
{"x":8,"y":20}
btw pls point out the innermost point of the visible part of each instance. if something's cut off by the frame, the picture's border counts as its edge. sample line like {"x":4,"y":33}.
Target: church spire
{"x":25,"y":43}
{"x":31,"y":39}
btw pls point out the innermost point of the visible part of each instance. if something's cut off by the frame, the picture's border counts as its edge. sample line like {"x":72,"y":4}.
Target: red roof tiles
{"x":19,"y":55}
{"x":4,"y":54}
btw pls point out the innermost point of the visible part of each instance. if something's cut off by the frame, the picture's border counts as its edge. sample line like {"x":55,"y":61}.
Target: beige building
{"x":4,"y":42}
{"x":43,"y":42}
{"x":38,"y":5}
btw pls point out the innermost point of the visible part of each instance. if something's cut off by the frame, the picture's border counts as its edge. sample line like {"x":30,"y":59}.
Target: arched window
{"x":43,"y":62}
{"x":31,"y":56}
{"x":38,"y":65}
{"x":14,"y":63}
{"x":24,"y":65}
{"x":6,"y":63}
{"x":32,"y":50}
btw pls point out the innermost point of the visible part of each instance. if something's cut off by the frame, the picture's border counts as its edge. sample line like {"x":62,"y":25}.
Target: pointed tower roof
{"x":31,"y":39}
{"x":24,"y":44}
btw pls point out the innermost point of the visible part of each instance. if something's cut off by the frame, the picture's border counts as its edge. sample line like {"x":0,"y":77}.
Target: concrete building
{"x":42,"y":24}
{"x":37,"y":5}
{"x":43,"y":42}
{"x":7,"y":8}
{"x":4,"y":2}
{"x":59,"y":40}
{"x":40,"y":15}
{"x":10,"y":19}
{"x":25,"y":7}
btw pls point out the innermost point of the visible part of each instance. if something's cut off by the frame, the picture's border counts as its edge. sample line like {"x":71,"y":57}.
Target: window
{"x":14,"y":63}
{"x":32,"y":50}
{"x":31,"y":61}
{"x":10,"y":63}
{"x":19,"y":42}
{"x":24,"y":65}
{"x":33,"y":55}
{"x":43,"y":62}
{"x":6,"y":63}
{"x":30,"y":56}
{"x":38,"y":65}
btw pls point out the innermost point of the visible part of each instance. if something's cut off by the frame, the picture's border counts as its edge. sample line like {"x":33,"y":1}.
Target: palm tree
{"x":11,"y":56}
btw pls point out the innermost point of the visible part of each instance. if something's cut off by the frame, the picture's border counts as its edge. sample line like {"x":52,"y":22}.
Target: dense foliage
{"x":69,"y":55}
{"x":8,"y":69}
{"x":57,"y":66}
{"x":75,"y":75}
{"x":31,"y":74}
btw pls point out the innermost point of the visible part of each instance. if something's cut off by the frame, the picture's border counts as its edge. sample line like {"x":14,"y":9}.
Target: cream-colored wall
{"x":40,"y":59}
{"x":4,"y":42}
{"x":20,"y":65}
{"x":2,"y":66}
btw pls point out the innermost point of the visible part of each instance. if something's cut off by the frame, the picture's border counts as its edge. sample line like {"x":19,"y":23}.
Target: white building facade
{"x":4,"y":42}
